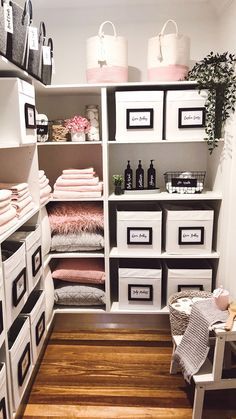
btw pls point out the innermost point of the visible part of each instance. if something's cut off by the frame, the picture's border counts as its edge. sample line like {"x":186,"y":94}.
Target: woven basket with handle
{"x":178,"y":319}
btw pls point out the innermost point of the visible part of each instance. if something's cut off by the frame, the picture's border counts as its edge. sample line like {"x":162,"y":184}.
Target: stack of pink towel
{"x":7,"y":211}
{"x":21,"y":198}
{"x":77,"y":183}
{"x":44,"y":188}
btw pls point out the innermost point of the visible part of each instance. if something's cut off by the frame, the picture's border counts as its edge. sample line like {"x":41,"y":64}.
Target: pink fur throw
{"x":80,"y":270}
{"x":73,"y":217}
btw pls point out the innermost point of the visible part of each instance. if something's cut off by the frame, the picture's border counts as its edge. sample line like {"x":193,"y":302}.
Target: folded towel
{"x":41,"y":173}
{"x":3,"y":204}
{"x":4,"y":195}
{"x":43,"y":184}
{"x":5,"y":208}
{"x":193,"y":349}
{"x":75,"y":195}
{"x":78,"y":176}
{"x":19,"y":205}
{"x":85,"y":188}
{"x":21,"y":197}
{"x":20,"y":194}
{"x":8,"y":225}
{"x":44,"y":199}
{"x":45,"y":191}
{"x":77,"y":171}
{"x":76,"y":182}
{"x":7,"y":216}
{"x":42,"y":179}
{"x":18,"y":187}
{"x":25,"y":210}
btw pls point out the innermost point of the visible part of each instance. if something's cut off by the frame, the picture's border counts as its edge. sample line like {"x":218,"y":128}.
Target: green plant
{"x":117,"y":180}
{"x":216,"y":73}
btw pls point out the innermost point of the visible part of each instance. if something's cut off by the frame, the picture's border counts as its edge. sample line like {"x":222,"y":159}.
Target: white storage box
{"x":20,"y":357}
{"x":31,"y":236}
{"x":2,"y":319}
{"x":3,"y":393}
{"x":14,"y":275}
{"x":17,"y":110}
{"x":188,"y":230}
{"x":189,"y":274}
{"x":140,"y":230}
{"x":139,"y":116}
{"x":185,"y":115}
{"x":35,"y":309}
{"x":140,"y":288}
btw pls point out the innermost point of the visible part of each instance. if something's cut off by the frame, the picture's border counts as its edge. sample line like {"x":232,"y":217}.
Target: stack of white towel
{"x":21,"y":198}
{"x":7,"y":211}
{"x":44,"y":188}
{"x":77,"y":183}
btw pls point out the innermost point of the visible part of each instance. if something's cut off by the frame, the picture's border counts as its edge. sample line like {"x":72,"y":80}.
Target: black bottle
{"x":139,"y":176}
{"x":151,"y":177}
{"x":128,"y":177}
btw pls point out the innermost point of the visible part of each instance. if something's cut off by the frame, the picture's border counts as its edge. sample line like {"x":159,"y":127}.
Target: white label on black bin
{"x":47,"y":55}
{"x":33,"y":38}
{"x":8,"y":18}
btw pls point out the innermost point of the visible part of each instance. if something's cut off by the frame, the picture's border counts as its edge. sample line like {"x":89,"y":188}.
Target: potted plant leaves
{"x":117,"y":181}
{"x":216,"y":73}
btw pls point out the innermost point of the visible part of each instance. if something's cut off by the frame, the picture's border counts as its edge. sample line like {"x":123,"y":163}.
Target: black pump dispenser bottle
{"x":128,"y":177}
{"x":151,"y":176}
{"x":139,"y":176}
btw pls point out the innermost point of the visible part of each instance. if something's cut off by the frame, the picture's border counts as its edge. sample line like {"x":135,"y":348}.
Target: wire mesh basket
{"x":185,"y":182}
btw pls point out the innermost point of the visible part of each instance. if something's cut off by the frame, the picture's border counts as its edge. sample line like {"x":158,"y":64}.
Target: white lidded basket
{"x":106,"y":57}
{"x":168,"y":55}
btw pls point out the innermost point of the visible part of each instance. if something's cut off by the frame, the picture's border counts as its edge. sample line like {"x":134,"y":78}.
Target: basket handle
{"x":101,"y":33}
{"x":165,"y":25}
{"x":102,"y":53}
{"x":161,"y":34}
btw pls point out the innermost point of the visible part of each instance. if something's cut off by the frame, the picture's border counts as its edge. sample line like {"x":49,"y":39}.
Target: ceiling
{"x":216,"y":5}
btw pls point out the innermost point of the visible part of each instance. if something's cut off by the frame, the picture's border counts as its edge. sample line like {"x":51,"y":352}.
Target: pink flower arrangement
{"x":78,"y":124}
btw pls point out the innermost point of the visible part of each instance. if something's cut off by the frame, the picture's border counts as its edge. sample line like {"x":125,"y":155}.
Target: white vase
{"x":77,"y":136}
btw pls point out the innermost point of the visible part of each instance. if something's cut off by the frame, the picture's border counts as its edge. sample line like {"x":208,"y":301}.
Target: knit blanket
{"x":193,"y":349}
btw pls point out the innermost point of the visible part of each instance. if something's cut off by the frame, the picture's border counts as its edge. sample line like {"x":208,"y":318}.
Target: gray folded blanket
{"x":72,"y":242}
{"x":193,"y":349}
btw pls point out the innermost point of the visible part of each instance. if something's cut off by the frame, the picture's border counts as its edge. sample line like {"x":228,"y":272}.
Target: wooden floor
{"x":115,"y":373}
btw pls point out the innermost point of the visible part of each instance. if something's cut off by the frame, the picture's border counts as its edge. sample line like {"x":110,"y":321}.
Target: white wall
{"x":137,"y":22}
{"x":227,"y":42}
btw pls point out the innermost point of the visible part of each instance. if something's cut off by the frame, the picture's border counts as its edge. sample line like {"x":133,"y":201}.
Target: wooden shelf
{"x":115,"y":253}
{"x":69,"y":143}
{"x":202,"y":141}
{"x":77,"y":310}
{"x":100,"y":199}
{"x":74,"y":255}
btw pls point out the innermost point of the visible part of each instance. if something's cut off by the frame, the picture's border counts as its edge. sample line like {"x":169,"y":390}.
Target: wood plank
{"x":110,"y":373}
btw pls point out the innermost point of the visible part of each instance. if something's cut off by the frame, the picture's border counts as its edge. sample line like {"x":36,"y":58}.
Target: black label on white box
{"x":24,"y":364}
{"x":191,"y":235}
{"x":3,"y":413}
{"x":19,"y":287}
{"x":1,"y":318}
{"x":183,"y":182}
{"x":139,"y":235}
{"x":138,"y":292}
{"x":139,"y":118}
{"x":36,"y":261}
{"x":39,"y":329}
{"x":192,"y":117}
{"x":190,"y":287}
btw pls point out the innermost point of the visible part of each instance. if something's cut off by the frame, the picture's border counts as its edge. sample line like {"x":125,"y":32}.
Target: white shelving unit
{"x":21,"y":163}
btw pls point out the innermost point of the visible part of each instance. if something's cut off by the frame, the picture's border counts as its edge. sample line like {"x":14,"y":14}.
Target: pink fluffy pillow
{"x":80,"y":270}
{"x":73,"y":217}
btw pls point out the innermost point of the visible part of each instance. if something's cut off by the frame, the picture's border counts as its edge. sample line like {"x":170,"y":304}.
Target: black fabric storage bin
{"x":34,"y":60}
{"x":17,"y":42}
{"x":46,"y":75}
{"x":3,"y":33}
